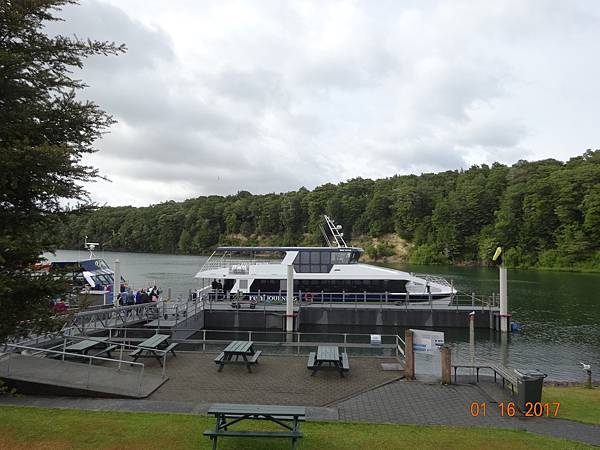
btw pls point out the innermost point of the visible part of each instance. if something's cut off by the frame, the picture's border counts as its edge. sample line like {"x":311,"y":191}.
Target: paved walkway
{"x":434,"y":404}
{"x":278,"y":380}
{"x":367,"y":394}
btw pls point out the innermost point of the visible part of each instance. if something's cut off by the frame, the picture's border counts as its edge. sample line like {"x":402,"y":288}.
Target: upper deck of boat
{"x":286,"y":249}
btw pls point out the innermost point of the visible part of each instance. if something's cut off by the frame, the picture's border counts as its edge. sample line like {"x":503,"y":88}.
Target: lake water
{"x":559,"y":311}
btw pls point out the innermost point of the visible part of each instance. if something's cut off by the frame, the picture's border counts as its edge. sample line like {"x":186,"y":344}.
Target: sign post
{"x":446,"y":365}
{"x":426,"y":341}
{"x":409,"y":355}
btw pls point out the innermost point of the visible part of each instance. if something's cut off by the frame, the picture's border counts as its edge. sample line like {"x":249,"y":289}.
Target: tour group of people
{"x":137,"y":297}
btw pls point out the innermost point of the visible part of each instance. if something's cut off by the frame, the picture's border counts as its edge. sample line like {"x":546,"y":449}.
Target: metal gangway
{"x":82,"y":322}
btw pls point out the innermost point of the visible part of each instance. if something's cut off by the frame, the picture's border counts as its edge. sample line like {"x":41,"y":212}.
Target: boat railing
{"x":307,"y":298}
{"x":433,"y":279}
{"x":237,"y":266}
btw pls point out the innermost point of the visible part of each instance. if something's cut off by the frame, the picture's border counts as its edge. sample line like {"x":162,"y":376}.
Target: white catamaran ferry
{"x":331,"y":273}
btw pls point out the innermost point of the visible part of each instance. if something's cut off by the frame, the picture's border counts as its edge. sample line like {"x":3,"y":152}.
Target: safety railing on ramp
{"x":30,"y":364}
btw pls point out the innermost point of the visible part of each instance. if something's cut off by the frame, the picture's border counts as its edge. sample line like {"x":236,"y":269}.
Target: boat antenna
{"x":91,"y":246}
{"x":336,"y":233}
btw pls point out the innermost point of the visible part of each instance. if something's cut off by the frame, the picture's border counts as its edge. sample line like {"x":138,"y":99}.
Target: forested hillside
{"x":544,"y":213}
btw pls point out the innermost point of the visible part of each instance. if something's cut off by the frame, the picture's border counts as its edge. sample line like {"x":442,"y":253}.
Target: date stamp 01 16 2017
{"x":508,"y":409}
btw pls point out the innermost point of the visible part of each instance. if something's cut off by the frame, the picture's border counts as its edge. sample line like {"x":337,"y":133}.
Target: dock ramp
{"x":46,"y":376}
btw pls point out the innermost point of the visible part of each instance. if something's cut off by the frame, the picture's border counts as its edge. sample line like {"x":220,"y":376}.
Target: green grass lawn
{"x":576,"y":403}
{"x":37,"y":428}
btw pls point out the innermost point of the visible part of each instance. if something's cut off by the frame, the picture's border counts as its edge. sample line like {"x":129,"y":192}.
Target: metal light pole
{"x":503,"y":299}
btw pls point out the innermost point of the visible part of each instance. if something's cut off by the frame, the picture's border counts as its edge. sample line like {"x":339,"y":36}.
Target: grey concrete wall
{"x":243,"y":320}
{"x":249,"y":319}
{"x":392,"y":317}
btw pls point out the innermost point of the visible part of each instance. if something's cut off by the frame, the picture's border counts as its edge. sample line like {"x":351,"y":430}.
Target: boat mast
{"x":90,"y":246}
{"x":336,"y":233}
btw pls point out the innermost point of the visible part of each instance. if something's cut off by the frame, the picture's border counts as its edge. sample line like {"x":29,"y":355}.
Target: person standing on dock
{"x":219,"y":289}
{"x":124,"y":298}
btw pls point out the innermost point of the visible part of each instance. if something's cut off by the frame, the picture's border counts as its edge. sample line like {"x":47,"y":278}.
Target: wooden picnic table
{"x":329,"y":355}
{"x":154,"y":347}
{"x":83,"y":347}
{"x":288,"y":417}
{"x":238,"y":349}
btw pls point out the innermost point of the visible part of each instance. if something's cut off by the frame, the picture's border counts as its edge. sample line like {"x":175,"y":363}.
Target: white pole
{"x":116,"y":282}
{"x":503,"y":299}
{"x":472,"y":340}
{"x":289,"y":310}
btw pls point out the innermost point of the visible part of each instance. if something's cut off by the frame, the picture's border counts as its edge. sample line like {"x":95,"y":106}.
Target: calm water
{"x":559,"y":312}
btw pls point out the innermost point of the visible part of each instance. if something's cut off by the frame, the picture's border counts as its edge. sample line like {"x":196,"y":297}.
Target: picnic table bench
{"x":330,"y":355}
{"x":236,"y":349}
{"x":83,"y":347}
{"x":288,"y":417}
{"x":508,"y":375}
{"x":156,"y":346}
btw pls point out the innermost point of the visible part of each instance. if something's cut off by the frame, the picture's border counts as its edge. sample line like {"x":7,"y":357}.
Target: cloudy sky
{"x":214,"y":97}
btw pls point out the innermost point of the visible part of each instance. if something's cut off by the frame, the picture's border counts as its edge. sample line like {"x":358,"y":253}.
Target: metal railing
{"x":62,"y":353}
{"x":271,"y":342}
{"x":475,"y":301}
{"x":408,"y":300}
{"x":122,"y":344}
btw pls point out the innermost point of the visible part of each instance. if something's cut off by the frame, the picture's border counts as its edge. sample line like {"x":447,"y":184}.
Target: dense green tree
{"x":45,"y":130}
{"x":545,"y":213}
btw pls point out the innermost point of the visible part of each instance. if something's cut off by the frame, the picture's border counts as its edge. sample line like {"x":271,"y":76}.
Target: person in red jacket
{"x":60,"y":307}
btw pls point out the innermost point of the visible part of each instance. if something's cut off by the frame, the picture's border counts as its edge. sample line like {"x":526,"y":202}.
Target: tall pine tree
{"x":45,"y":131}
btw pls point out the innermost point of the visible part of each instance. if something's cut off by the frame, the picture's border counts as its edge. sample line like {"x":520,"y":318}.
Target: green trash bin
{"x":529,"y":387}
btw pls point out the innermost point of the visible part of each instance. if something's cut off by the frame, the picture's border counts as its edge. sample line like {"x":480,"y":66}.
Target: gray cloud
{"x":215,"y":97}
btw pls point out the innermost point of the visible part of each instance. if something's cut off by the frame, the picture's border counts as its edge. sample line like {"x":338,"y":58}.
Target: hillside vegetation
{"x":546,"y":214}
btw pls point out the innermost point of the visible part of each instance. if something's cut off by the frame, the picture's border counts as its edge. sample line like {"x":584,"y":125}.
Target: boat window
{"x":79,"y":279}
{"x":326,"y":258}
{"x":304,"y":268}
{"x":324,"y":268}
{"x":102,"y":280}
{"x":315,"y":257}
{"x":304,"y":257}
{"x":354,"y":257}
{"x":340,"y":258}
